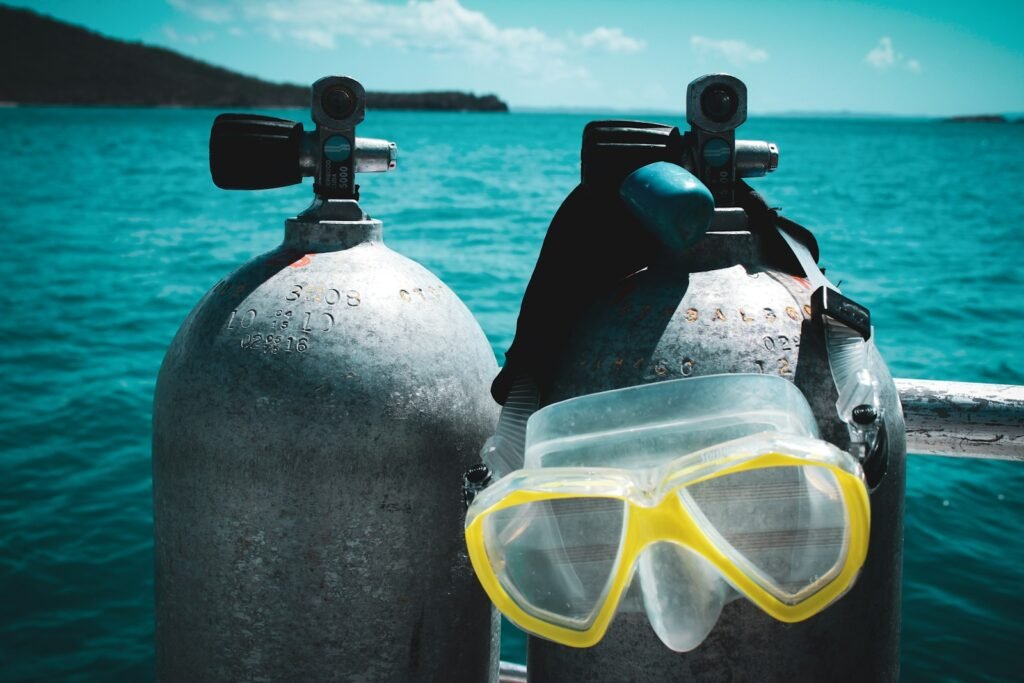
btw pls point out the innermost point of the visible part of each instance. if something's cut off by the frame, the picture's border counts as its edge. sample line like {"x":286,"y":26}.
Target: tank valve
{"x":716,"y":105}
{"x":251,"y":152}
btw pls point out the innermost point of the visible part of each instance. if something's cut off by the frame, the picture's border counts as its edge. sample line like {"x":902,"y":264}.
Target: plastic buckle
{"x":829,"y":302}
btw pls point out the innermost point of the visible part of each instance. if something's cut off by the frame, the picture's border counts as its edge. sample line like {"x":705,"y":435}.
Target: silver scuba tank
{"x":742,"y":298}
{"x":311,"y":418}
{"x":725,"y":312}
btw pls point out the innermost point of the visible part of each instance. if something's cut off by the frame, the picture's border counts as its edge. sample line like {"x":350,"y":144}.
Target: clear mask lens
{"x":786,"y":526}
{"x":556,"y":558}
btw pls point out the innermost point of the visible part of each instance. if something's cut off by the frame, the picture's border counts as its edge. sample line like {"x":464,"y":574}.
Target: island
{"x":50,"y":62}
{"x":978,"y":118}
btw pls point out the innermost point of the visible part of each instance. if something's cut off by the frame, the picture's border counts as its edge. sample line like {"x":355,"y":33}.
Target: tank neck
{"x":331,"y":225}
{"x":717,"y":250}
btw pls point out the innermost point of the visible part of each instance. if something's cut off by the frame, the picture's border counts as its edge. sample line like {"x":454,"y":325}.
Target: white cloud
{"x":313,"y":36}
{"x":215,"y":13}
{"x":611,"y":40}
{"x":442,"y":28}
{"x":884,"y":56}
{"x":736,"y":52}
{"x":189,"y":38}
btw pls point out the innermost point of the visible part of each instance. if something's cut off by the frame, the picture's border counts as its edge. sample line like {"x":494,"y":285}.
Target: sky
{"x":919,"y":57}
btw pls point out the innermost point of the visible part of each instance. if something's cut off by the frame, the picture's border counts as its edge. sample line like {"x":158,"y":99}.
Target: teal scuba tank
{"x":669,"y":278}
{"x":310,"y":420}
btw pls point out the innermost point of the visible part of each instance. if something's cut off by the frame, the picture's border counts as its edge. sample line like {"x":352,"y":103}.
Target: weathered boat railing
{"x":963,"y":419}
{"x":512,"y":673}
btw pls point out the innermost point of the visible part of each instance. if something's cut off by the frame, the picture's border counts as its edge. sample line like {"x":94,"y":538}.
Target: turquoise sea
{"x":114,"y":230}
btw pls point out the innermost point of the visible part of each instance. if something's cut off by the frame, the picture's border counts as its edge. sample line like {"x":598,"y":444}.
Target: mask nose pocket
{"x":683,"y":594}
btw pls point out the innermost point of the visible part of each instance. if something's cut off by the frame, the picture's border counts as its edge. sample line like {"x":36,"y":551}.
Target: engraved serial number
{"x":717,"y":314}
{"x":328,"y":295}
{"x":781,"y":365}
{"x":781,"y":342}
{"x":275,"y":343}
{"x":432,"y":293}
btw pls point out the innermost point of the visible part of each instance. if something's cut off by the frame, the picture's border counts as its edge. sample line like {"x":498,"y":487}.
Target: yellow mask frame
{"x":666,"y":520}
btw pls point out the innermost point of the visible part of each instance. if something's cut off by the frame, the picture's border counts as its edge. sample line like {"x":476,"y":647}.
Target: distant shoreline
{"x":246,"y":107}
{"x":242,"y":108}
{"x":981,"y":118}
{"x":53,"y":63}
{"x":665,"y":116}
{"x":596,"y":113}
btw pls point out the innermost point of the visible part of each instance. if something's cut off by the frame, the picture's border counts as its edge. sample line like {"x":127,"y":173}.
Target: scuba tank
{"x":309,"y":418}
{"x":663,"y":288}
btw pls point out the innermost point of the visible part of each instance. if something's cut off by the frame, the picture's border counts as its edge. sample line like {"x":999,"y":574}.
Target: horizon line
{"x":1009,"y":117}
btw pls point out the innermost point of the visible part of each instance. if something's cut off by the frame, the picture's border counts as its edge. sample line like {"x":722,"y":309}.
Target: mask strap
{"x":806,"y":260}
{"x":504,"y":451}
{"x":849,"y":344}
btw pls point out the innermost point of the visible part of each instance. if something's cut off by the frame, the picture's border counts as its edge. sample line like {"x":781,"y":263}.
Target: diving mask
{"x":698,"y":489}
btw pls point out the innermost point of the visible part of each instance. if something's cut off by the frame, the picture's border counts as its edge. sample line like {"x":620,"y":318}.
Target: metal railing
{"x":963,"y":419}
{"x":512,"y":673}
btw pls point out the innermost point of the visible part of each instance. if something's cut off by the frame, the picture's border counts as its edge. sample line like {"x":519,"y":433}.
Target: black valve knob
{"x":250,"y":152}
{"x":613,"y":149}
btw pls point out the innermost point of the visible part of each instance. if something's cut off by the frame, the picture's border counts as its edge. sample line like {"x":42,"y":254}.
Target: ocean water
{"x":114,"y":230}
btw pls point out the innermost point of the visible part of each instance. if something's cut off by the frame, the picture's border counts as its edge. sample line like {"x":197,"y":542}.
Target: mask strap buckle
{"x":849,"y":344}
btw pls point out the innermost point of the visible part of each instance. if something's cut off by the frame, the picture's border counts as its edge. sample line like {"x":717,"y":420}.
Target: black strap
{"x":594,"y":242}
